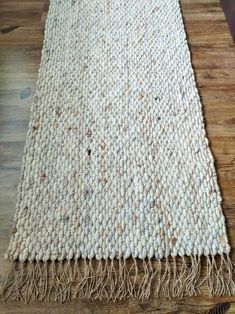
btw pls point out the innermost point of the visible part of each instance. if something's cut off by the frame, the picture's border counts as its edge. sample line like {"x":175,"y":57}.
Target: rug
{"x":118,"y":195}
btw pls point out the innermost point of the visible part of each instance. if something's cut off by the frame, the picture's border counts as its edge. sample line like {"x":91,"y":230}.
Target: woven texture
{"x":116,"y":163}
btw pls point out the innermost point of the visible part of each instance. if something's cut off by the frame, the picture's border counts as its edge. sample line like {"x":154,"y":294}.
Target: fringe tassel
{"x":118,"y":279}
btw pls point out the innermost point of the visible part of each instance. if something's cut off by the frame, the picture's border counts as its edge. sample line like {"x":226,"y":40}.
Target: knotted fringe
{"x":119,"y":279}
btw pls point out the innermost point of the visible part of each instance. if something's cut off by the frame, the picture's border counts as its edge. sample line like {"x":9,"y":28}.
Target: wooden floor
{"x":213,"y":56}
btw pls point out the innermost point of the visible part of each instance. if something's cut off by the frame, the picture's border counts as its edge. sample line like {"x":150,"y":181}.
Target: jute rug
{"x":118,"y":195}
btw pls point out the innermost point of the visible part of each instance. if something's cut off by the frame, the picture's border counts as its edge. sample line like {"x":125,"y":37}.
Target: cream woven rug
{"x":118,"y":195}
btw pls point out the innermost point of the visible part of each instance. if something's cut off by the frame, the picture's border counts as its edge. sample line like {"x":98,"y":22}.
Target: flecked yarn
{"x":117,"y":169}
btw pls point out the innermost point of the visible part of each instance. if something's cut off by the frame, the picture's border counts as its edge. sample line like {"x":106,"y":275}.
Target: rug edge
{"x":119,"y":279}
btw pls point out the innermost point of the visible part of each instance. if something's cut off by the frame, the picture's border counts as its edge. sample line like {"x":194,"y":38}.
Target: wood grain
{"x":213,"y":57}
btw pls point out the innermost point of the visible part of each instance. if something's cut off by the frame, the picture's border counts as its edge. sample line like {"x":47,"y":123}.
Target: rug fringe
{"x":109,"y":279}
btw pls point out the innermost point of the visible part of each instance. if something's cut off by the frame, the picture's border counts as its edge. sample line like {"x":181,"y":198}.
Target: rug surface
{"x":118,"y":190}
